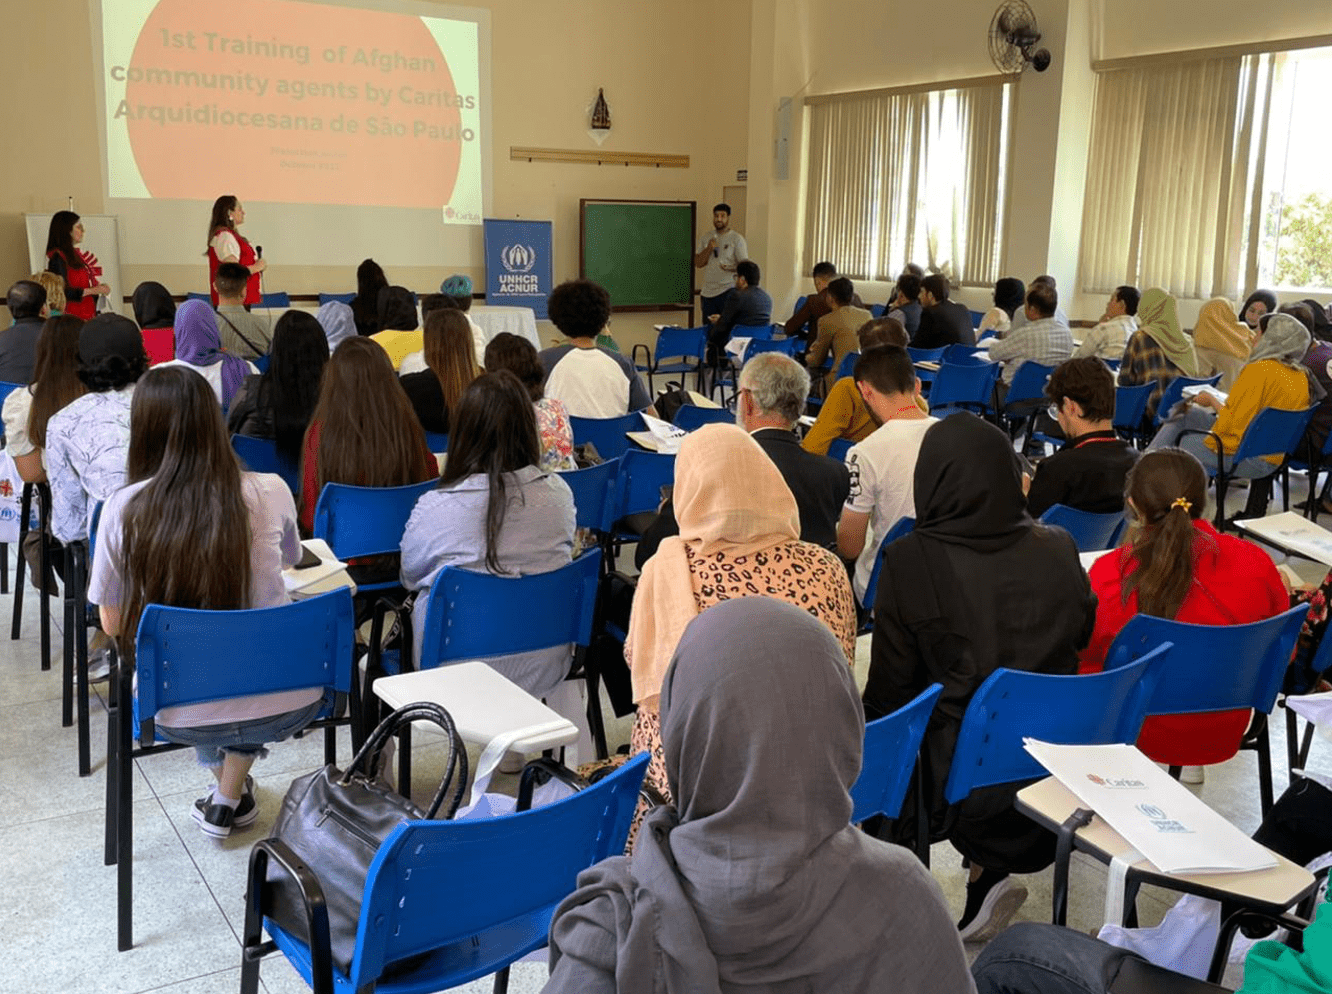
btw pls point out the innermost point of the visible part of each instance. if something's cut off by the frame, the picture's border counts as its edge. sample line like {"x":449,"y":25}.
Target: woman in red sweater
{"x":1175,"y":565}
{"x":79,"y":269}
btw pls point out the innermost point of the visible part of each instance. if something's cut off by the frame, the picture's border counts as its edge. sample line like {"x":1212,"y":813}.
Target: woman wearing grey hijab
{"x":754,"y":880}
{"x":338,"y":322}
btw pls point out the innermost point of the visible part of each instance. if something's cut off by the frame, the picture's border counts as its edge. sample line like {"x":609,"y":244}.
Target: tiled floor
{"x":58,"y":905}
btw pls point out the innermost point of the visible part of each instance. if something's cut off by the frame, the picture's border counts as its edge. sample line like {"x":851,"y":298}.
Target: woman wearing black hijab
{"x":976,"y":586}
{"x":370,"y":279}
{"x":155,"y":314}
{"x":754,"y":880}
{"x":1259,"y":302}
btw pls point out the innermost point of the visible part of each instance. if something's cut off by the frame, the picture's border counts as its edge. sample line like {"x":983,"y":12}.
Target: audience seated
{"x":370,"y":279}
{"x":1257,"y":304}
{"x":844,"y":414}
{"x":26,"y":301}
{"x":55,"y":291}
{"x":942,"y":321}
{"x":243,"y":334}
{"x":837,"y":331}
{"x":748,"y":305}
{"x":739,"y":537}
{"x":1274,"y":376}
{"x":337,"y":320}
{"x":199,"y":348}
{"x":155,"y":314}
{"x":1009,"y":295}
{"x":904,"y":301}
{"x":495,"y":511}
{"x":519,"y":357}
{"x":804,"y":323}
{"x":1088,"y":473}
{"x":1020,"y":314}
{"x":591,"y":382}
{"x":187,"y":503}
{"x":753,"y":880}
{"x":882,"y":465}
{"x":1108,"y":338}
{"x":1222,"y":343}
{"x":1175,"y":565}
{"x":415,"y":362}
{"x":977,"y":585}
{"x":363,"y":430}
{"x":399,"y":332}
{"x":278,"y":403}
{"x":1041,"y":339}
{"x":1159,"y":350}
{"x":458,"y":288}
{"x":449,"y":354}
{"x":87,"y":440}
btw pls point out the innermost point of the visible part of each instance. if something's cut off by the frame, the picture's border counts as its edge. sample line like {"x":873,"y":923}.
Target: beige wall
{"x":1141,"y":27}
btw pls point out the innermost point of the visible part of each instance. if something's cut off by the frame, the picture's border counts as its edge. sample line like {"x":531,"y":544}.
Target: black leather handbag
{"x":335,"y":822}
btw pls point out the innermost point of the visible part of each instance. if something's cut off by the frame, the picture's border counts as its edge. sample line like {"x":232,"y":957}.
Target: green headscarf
{"x":1158,"y":316}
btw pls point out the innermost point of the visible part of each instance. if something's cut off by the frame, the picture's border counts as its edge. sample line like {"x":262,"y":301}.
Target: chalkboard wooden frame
{"x":642,"y":308}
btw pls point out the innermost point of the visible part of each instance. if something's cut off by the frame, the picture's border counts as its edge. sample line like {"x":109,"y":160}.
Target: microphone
{"x":258,"y":251}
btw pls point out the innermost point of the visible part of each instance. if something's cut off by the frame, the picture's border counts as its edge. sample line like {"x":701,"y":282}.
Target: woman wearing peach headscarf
{"x":739,"y":537}
{"x":1222,"y":341}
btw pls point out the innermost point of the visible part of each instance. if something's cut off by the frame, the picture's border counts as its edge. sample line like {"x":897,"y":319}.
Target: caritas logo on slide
{"x":294,"y":102}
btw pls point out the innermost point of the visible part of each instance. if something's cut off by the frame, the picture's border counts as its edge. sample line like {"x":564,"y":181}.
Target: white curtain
{"x":897,"y":178}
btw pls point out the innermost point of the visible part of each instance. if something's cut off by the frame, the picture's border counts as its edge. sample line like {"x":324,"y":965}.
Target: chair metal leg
{"x":330,"y":745}
{"x":1292,"y":741}
{"x":502,"y":981}
{"x":1264,"y":746}
{"x":4,"y":568}
{"x":44,"y":521}
{"x":405,"y":761}
{"x":124,"y":827}
{"x":67,"y":674}
{"x":80,"y":583}
{"x":112,"y":768}
{"x":25,"y":515}
{"x":596,"y":721}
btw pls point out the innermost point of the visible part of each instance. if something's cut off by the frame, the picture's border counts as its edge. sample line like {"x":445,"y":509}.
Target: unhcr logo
{"x":518,"y":258}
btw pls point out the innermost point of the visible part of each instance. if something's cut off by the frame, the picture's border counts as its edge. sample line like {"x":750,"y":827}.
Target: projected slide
{"x":294,"y":102}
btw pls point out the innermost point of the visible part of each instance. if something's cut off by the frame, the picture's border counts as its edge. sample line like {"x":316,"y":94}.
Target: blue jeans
{"x":1035,"y":958}
{"x":243,"y":738}
{"x":1201,"y":419}
{"x":713,"y":305}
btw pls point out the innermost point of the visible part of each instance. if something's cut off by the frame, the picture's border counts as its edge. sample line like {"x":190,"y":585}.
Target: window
{"x":904,"y":177}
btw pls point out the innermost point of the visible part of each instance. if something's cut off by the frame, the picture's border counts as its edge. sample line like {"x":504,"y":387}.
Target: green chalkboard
{"x":641,"y":251}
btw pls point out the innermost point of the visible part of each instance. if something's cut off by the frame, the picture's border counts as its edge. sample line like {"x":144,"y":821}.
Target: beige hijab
{"x":731,"y":503}
{"x":1219,"y":329}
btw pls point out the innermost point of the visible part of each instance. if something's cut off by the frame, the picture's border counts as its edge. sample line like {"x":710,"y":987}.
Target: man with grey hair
{"x":770,"y":400}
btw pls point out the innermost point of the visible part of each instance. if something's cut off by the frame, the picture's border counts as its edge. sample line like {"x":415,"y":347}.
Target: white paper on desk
{"x":666,"y":435}
{"x":1295,"y":533}
{"x":1194,"y":389}
{"x":330,"y":574}
{"x":737,"y":346}
{"x":699,"y":400}
{"x":1156,"y":815}
{"x":1087,"y":559}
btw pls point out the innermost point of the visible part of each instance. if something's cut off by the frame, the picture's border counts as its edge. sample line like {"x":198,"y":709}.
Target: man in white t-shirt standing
{"x":590,"y":382}
{"x":882,"y":466}
{"x":719,"y":252}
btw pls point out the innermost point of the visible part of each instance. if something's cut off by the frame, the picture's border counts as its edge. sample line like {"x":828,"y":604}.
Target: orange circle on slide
{"x":191,"y":108}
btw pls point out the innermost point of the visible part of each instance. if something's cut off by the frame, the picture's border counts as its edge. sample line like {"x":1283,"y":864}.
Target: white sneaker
{"x":1003,"y":901}
{"x":1192,"y":774}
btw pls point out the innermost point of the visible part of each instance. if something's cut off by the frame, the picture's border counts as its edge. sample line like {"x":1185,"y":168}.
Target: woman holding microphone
{"x":226,"y":244}
{"x":79,"y":269}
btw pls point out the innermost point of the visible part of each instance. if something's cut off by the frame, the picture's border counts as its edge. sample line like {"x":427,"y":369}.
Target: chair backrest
{"x":838,"y":448}
{"x":800,"y":302}
{"x":680,"y":343}
{"x":199,"y":296}
{"x":891,"y":746}
{"x":1212,"y":667}
{"x":1091,"y":532}
{"x":260,"y":455}
{"x":473,"y":615}
{"x":365,"y":521}
{"x":1087,"y":709}
{"x":927,"y":355}
{"x":6,"y":388}
{"x":964,"y":386}
{"x":607,"y":434}
{"x":341,"y":298}
{"x":976,"y":318}
{"x":847,"y":365}
{"x":641,"y":477}
{"x":514,"y":867}
{"x":756,"y":345}
{"x":761,"y":331}
{"x":691,"y":416}
{"x":186,"y":656}
{"x":902,"y":526}
{"x":593,"y":493}
{"x":1028,"y":383}
{"x":965,"y":354}
{"x":278,"y":298}
{"x":877,"y":310}
{"x":1131,"y":406}
{"x":262,"y":362}
{"x":1274,"y":433}
{"x":1174,"y":392}
{"x":438,"y":441}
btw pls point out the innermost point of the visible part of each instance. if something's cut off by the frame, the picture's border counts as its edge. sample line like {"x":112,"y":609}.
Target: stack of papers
{"x":1197,"y":388}
{"x":661,"y":436}
{"x":1155,"y":814}
{"x":330,"y":574}
{"x":1293,"y":533}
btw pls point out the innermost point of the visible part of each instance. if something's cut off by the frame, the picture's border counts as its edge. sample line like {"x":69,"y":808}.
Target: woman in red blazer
{"x":1175,"y":565}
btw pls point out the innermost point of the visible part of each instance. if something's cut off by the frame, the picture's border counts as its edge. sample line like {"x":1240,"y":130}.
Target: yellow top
{"x":399,"y":344}
{"x":1262,"y":384}
{"x":843,"y":415}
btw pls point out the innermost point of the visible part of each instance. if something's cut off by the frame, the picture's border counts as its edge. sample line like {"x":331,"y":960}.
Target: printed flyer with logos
{"x":1157,"y":815}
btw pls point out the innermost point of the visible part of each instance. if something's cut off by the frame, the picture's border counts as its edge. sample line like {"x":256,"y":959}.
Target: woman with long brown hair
{"x":79,"y":269}
{"x":55,"y":382}
{"x":451,"y":366}
{"x":226,"y":244}
{"x":363,"y":430}
{"x":519,"y":356}
{"x":1175,"y":565}
{"x":188,"y":503}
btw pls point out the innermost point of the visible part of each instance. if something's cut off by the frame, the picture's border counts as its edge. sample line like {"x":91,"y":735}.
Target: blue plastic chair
{"x":1297,"y":746}
{"x":457,"y":900}
{"x":848,"y":365}
{"x":1316,"y":463}
{"x":800,"y":302}
{"x":1174,"y":393}
{"x":926,"y":376}
{"x":185,"y":656}
{"x":691,"y":417}
{"x":200,"y":296}
{"x":438,"y":441}
{"x":607,"y":434}
{"x":838,"y":448}
{"x":1011,"y":705}
{"x":892,"y":744}
{"x":366,"y":521}
{"x":687,"y":346}
{"x":260,"y":455}
{"x":1026,"y":394}
{"x":976,"y":318}
{"x":1091,"y":532}
{"x":877,"y":310}
{"x":638,"y":485}
{"x":903,"y":526}
{"x":1272,"y":433}
{"x":963,"y":388}
{"x":961,"y":354}
{"x":594,"y":494}
{"x":341,"y":298}
{"x":1131,"y":412}
{"x":262,"y":363}
{"x":728,"y":374}
{"x":274,"y":300}
{"x":1215,"y":668}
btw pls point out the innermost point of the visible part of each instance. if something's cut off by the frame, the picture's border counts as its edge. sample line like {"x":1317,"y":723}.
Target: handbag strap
{"x":455,"y":771}
{"x":232,"y":325}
